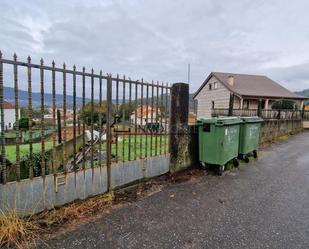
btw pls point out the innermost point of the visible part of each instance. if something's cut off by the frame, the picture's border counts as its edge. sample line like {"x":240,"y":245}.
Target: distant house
{"x":191,"y":118}
{"x":143,"y":115}
{"x":215,"y":92}
{"x":9,"y":115}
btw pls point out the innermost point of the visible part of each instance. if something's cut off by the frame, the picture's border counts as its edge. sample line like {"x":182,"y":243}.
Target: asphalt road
{"x":264,"y":204}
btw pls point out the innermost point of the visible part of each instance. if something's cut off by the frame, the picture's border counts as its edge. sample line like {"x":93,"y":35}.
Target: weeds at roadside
{"x":16,"y":232}
{"x":20,"y":233}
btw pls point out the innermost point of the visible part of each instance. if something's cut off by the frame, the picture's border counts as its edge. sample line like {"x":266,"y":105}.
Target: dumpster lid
{"x":219,"y":121}
{"x":253,"y":119}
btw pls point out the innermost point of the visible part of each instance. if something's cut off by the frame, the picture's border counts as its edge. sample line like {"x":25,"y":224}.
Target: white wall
{"x":138,"y":119}
{"x":9,"y":118}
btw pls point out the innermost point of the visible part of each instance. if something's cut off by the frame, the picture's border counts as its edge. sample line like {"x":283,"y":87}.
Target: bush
{"x":284,"y":104}
{"x":25,"y":166}
{"x":24,"y":123}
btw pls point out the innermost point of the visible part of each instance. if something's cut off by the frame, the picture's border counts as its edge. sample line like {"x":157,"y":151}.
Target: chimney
{"x":231,"y":80}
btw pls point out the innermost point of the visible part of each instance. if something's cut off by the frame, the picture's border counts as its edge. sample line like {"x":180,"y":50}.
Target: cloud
{"x":157,"y":39}
{"x":294,"y":77}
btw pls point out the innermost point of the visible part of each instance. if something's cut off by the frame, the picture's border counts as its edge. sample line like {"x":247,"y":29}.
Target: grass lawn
{"x":124,"y":146}
{"x":10,"y":135}
{"x":24,"y":150}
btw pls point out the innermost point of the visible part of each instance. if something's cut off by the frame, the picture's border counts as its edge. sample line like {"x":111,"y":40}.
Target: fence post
{"x":178,"y":140}
{"x":231,"y":104}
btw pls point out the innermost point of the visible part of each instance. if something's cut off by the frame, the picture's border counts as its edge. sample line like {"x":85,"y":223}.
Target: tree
{"x":284,"y":104}
{"x":98,"y":112}
{"x":24,"y":124}
{"x":127,"y":110}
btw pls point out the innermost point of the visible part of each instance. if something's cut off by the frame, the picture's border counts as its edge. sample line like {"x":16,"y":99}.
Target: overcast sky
{"x":157,"y":39}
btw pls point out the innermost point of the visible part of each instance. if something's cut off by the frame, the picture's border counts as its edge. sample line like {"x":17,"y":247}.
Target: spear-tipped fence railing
{"x":82,"y":119}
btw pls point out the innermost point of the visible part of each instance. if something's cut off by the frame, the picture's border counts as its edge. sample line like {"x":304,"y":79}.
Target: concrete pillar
{"x":241,"y":105}
{"x":266,"y":104}
{"x":301,"y":106}
{"x":178,"y":141}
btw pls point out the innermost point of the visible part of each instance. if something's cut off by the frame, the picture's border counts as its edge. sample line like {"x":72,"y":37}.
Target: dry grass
{"x":21,"y":233}
{"x":16,"y":232}
{"x":75,"y":211}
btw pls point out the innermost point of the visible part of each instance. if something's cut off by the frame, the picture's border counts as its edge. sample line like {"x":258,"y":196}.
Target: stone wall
{"x":272,"y":129}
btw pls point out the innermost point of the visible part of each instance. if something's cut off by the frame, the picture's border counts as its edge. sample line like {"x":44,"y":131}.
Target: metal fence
{"x":96,"y":119}
{"x":265,"y":114}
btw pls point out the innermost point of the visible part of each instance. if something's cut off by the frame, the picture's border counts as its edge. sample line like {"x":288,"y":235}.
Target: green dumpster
{"x":218,"y":141}
{"x":249,"y":137}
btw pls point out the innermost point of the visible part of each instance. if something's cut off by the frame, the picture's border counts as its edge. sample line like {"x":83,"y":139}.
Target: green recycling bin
{"x":219,"y":141}
{"x":249,"y":137}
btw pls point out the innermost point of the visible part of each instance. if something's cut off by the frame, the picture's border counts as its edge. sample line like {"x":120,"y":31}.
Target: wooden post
{"x":259,"y":111}
{"x":178,"y":141}
{"x":231,"y":105}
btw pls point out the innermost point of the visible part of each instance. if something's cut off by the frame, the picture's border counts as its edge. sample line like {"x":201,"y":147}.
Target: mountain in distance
{"x":304,"y":93}
{"x":36,"y":99}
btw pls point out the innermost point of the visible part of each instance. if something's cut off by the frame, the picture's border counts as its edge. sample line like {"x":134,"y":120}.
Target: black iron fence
{"x":95,"y":119}
{"x":265,"y":114}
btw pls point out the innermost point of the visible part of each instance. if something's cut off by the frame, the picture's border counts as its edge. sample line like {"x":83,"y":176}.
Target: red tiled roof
{"x":143,"y":111}
{"x":7,"y":105}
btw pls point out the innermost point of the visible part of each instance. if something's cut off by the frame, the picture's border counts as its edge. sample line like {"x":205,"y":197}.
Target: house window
{"x":245,"y":104}
{"x":210,"y":86}
{"x":212,"y":104}
{"x":215,"y":85}
{"x":10,"y":124}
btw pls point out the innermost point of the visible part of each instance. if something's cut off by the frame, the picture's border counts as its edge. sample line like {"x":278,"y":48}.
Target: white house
{"x":9,"y":115}
{"x":247,"y":90}
{"x":143,"y":115}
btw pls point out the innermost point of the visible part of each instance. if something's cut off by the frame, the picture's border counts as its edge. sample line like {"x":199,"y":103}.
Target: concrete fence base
{"x":33,"y":196}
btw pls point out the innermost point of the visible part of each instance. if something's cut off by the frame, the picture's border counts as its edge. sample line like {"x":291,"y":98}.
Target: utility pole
{"x":189,"y":73}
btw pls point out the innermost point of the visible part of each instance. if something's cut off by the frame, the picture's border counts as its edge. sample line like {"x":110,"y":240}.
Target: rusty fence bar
{"x":3,"y":156}
{"x":17,"y":165}
{"x":30,"y":121}
{"x":89,"y":120}
{"x":74,"y":119}
{"x":123,"y":115}
{"x":135,"y":123}
{"x":130,"y":107}
{"x":64,"y":117}
{"x":43,"y":169}
{"x":157,"y":119}
{"x":92,"y":119}
{"x":108,"y":130}
{"x":141,"y":113}
{"x":146,"y":121}
{"x":84,"y":118}
{"x":54,"y":117}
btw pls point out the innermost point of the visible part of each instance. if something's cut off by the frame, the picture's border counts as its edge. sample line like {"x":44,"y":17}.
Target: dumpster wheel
{"x":235,"y":162}
{"x":221,"y":169}
{"x":255,"y":154}
{"x":203,"y":164}
{"x":245,"y":158}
